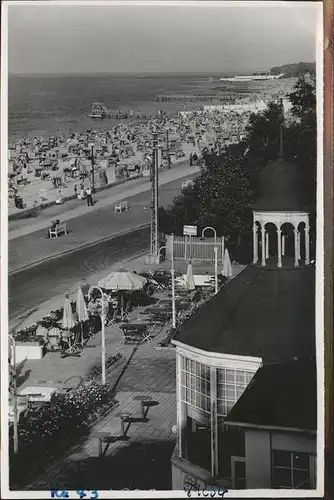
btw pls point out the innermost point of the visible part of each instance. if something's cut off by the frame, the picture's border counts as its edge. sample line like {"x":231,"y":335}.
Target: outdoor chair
{"x":113,"y":323}
{"x":70,"y":349}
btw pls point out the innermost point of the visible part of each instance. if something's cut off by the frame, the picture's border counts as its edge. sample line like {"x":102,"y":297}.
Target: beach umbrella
{"x":190,"y":283}
{"x":81,"y":310}
{"x":227,"y":266}
{"x":122,"y":281}
{"x":68,"y":321}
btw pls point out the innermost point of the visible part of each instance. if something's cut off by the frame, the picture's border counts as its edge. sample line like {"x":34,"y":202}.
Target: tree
{"x":303,"y":99}
{"x":263,"y":135}
{"x":302,"y":137}
{"x":228,"y":183}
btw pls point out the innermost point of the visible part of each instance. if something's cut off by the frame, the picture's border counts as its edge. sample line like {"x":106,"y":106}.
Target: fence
{"x":189,"y":247}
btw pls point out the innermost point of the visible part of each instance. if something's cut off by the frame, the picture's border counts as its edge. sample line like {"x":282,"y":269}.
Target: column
{"x":296,"y":247}
{"x":279,"y":248}
{"x":298,"y":239}
{"x":263,"y":246}
{"x":180,"y":419}
{"x":214,"y":423}
{"x":307,"y":245}
{"x":267,"y":245}
{"x":255,"y":244}
{"x":283,"y":245}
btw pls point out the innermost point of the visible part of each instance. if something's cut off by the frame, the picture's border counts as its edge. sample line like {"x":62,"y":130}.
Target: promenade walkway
{"x":76,"y":208}
{"x":27,"y":243}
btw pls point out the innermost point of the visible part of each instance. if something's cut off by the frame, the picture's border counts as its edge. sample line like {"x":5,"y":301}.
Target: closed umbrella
{"x":190,"y":283}
{"x":68,"y":321}
{"x":227,"y":266}
{"x":122,"y":281}
{"x":81,"y":311}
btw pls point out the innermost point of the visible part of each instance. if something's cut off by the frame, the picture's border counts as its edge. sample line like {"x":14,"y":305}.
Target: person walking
{"x":89,"y":196}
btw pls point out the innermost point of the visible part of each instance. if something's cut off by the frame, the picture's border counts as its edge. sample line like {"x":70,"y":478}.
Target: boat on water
{"x":253,"y":77}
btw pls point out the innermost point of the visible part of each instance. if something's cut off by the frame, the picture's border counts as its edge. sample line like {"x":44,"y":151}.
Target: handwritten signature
{"x":204,"y":491}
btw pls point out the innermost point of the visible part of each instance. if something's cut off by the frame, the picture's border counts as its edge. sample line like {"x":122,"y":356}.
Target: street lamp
{"x":15,"y":419}
{"x":103,"y":318}
{"x":173,"y":281}
{"x":212,"y":229}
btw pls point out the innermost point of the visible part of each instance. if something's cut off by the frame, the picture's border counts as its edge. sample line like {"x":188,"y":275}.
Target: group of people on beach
{"x":124,"y":144}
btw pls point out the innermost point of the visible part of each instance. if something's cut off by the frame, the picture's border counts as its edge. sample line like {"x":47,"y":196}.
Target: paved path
{"x":89,"y":224}
{"x":143,"y":461}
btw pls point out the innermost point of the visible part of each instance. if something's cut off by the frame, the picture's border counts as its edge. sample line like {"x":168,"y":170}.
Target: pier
{"x":196,"y":98}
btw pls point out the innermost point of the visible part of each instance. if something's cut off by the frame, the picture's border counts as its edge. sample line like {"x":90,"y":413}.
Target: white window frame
{"x":232,"y":383}
{"x":311,"y":469}
{"x":212,"y":361}
{"x":235,"y":460}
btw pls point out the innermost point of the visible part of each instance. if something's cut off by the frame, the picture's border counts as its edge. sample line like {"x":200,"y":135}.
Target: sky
{"x":114,"y":38}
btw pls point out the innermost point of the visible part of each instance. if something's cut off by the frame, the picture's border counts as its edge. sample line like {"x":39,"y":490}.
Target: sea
{"x":41,"y":106}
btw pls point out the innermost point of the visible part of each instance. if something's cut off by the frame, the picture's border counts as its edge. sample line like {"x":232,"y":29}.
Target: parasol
{"x":190,"y":283}
{"x":81,"y":311}
{"x":227,"y":266}
{"x":122,"y":281}
{"x":68,"y":321}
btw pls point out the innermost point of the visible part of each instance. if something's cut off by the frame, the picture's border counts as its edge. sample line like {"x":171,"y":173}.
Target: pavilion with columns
{"x":281,"y":205}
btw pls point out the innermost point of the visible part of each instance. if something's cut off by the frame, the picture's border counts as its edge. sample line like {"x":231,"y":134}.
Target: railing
{"x":195,"y":248}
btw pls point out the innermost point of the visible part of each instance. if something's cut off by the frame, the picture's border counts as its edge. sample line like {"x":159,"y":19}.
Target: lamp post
{"x":216,"y":269}
{"x":173,"y":282}
{"x":103,"y":318}
{"x":14,"y":393}
{"x":93,"y":166}
{"x":212,"y":229}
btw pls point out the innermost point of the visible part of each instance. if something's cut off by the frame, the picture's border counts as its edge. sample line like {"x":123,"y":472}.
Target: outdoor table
{"x":134,"y":325}
{"x":125,"y":417}
{"x":165,"y":301}
{"x":134,"y":331}
{"x":157,"y":310}
{"x":144,"y":401}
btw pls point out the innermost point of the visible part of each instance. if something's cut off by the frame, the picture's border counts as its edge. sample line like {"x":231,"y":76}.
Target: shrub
{"x":47,"y":431}
{"x":96,"y":370}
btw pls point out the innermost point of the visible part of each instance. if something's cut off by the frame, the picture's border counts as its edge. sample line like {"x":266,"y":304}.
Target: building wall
{"x":293,"y":442}
{"x":186,"y":476}
{"x":258,"y":446}
{"x":258,"y":463}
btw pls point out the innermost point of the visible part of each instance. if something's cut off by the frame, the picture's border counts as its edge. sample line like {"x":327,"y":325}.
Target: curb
{"x":77,"y":248}
{"x":19,"y":319}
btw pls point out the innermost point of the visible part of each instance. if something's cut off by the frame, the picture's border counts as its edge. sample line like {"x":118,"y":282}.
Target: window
{"x":292,"y":470}
{"x":195,"y":384}
{"x":230,"y":386}
{"x":196,"y":410}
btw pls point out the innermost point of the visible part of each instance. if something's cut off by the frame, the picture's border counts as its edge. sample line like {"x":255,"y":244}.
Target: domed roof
{"x":281,"y":188}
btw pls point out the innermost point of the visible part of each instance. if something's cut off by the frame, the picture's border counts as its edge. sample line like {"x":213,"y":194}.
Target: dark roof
{"x":267,"y":313}
{"x":280,"y":395}
{"x":281,"y":188}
